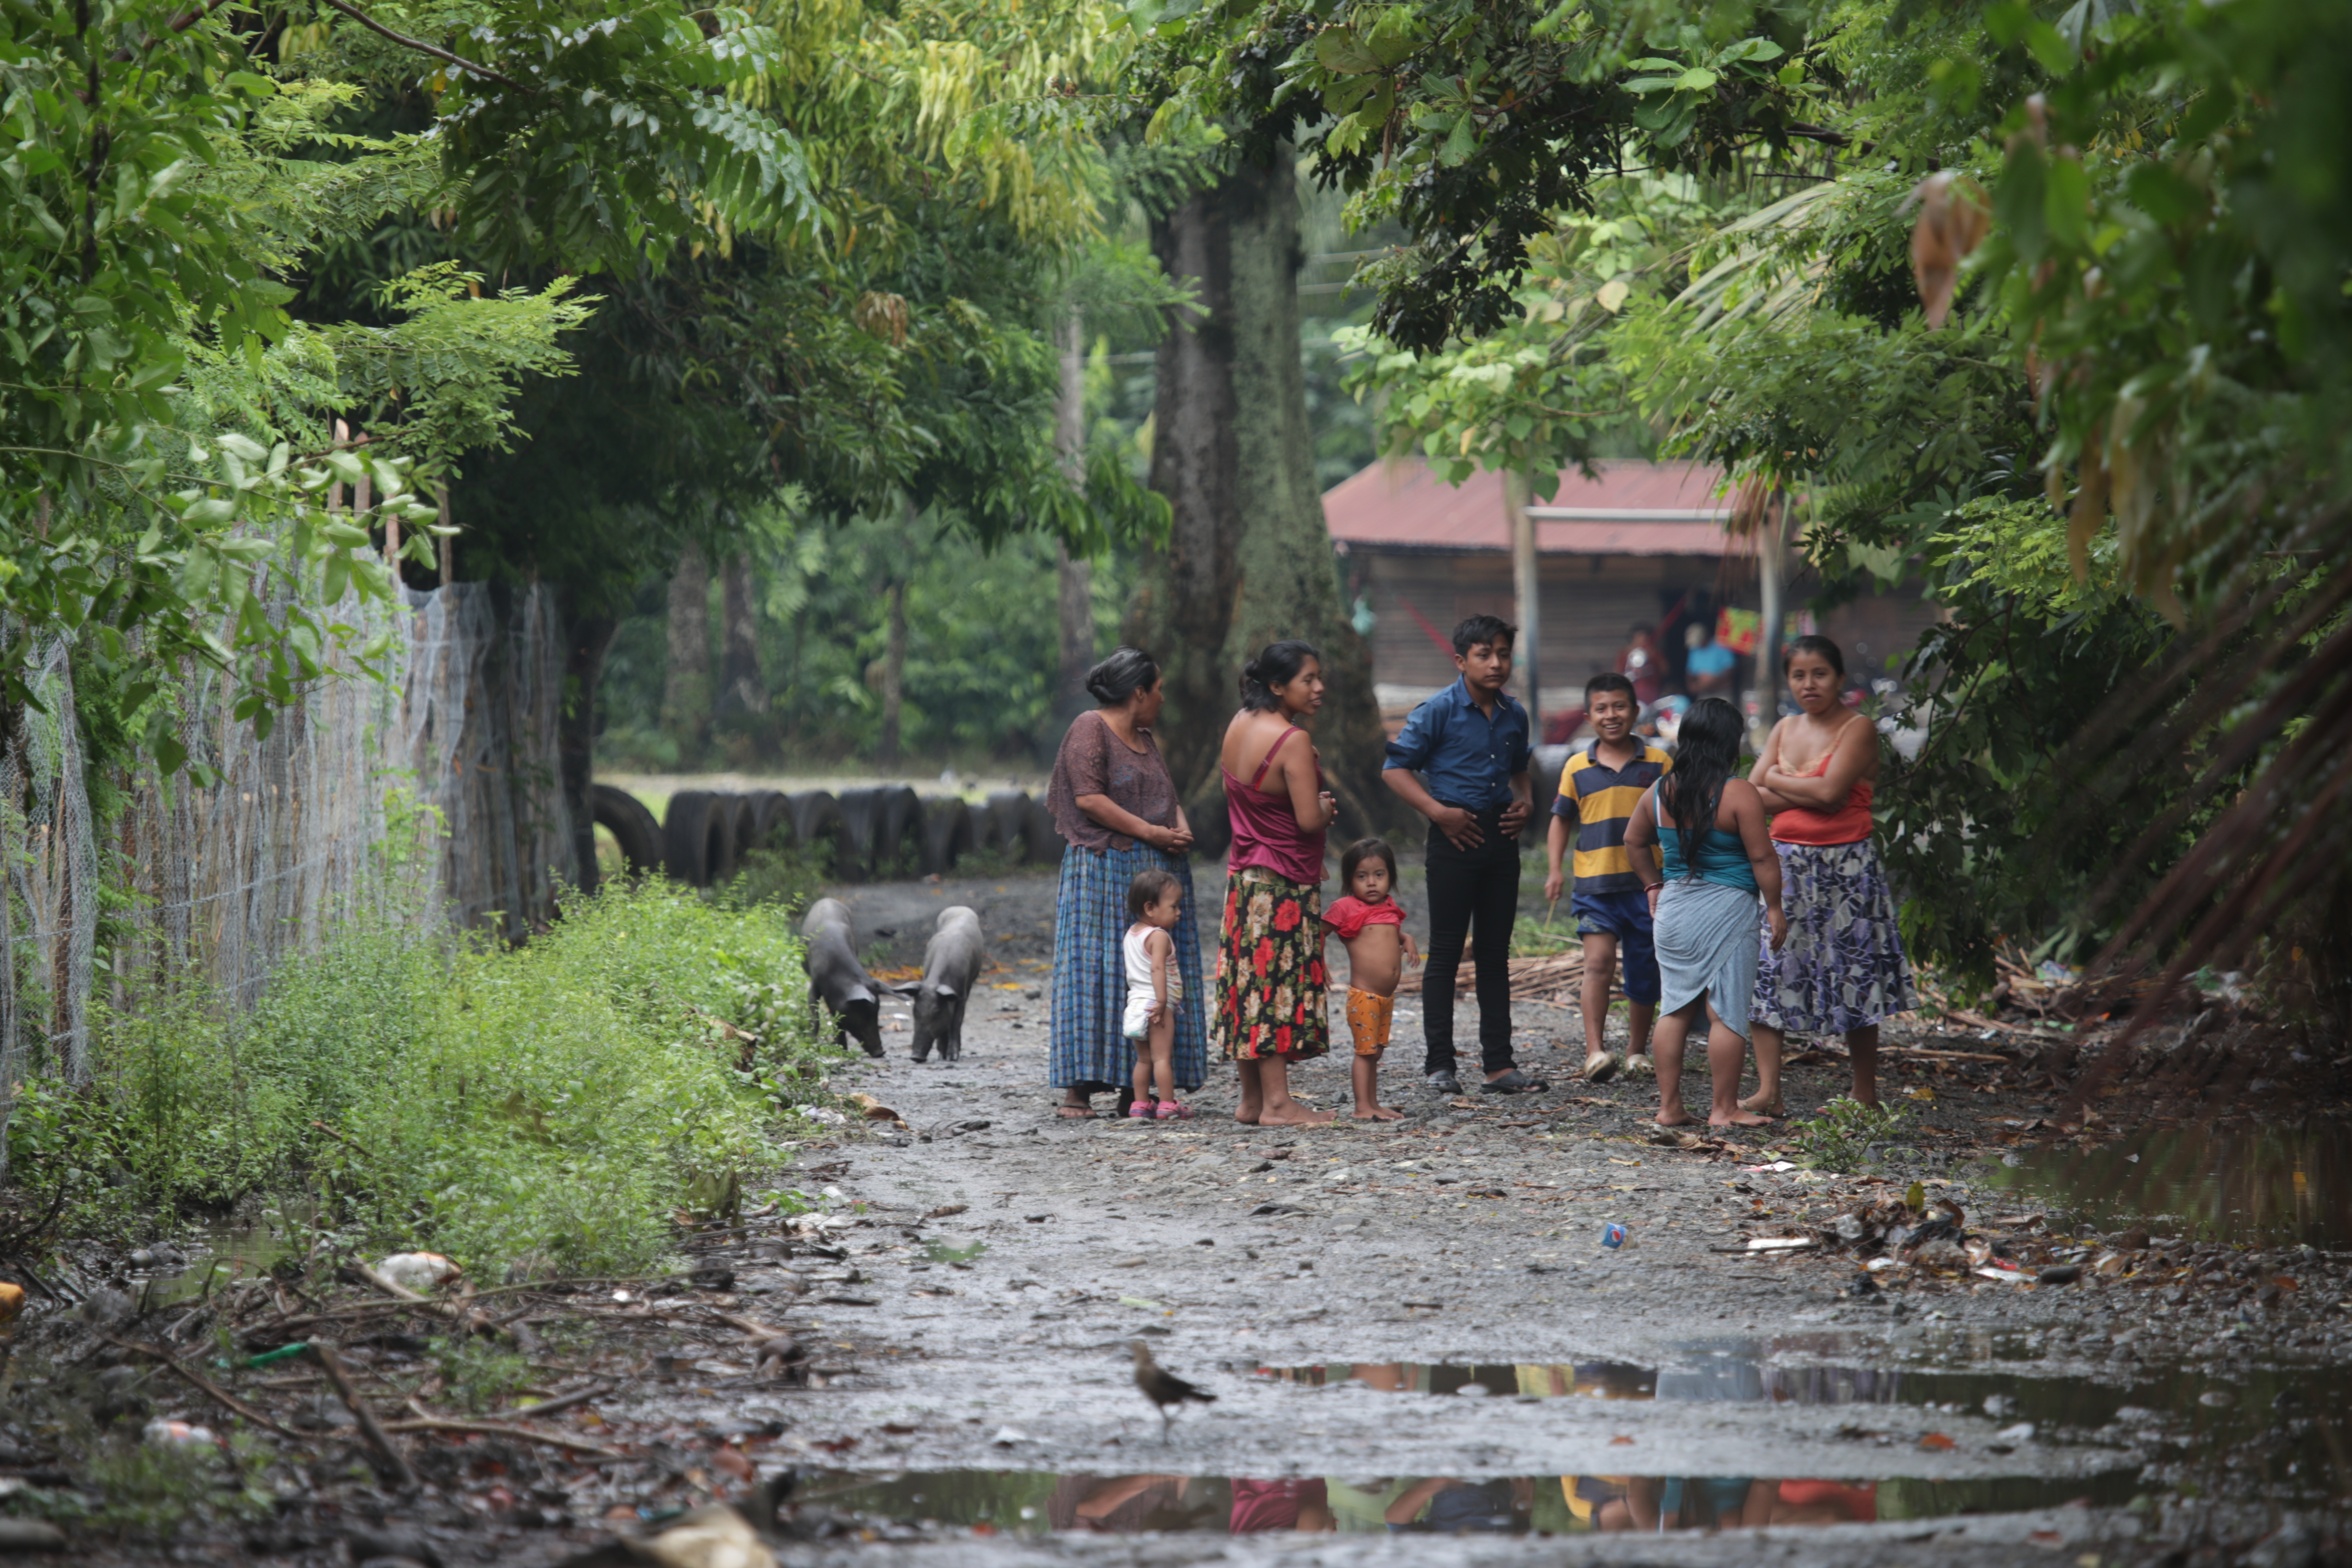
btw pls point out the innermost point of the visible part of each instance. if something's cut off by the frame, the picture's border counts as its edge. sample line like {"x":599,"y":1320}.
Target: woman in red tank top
{"x":1842,"y":967}
{"x":1271,"y":986}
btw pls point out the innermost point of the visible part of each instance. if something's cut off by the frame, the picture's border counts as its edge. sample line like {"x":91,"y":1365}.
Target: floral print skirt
{"x":1843,"y":966}
{"x":1272,"y":987}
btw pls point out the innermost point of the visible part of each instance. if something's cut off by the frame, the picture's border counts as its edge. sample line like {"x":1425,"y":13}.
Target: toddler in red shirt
{"x":1371,"y":924}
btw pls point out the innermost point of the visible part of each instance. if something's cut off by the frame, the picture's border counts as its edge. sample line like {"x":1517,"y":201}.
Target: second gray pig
{"x":951,"y":963}
{"x":837,"y":980}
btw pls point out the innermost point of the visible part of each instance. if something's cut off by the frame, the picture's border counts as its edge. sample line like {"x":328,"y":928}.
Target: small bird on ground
{"x":1162,"y":1388}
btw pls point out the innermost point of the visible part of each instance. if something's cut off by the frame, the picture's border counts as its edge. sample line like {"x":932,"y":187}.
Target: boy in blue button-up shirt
{"x":1462,"y":761}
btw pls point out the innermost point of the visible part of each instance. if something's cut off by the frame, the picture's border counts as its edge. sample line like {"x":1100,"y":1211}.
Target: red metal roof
{"x":1631,"y":508}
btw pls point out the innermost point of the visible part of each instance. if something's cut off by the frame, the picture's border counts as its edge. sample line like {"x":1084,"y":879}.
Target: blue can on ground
{"x":1612,"y":1235}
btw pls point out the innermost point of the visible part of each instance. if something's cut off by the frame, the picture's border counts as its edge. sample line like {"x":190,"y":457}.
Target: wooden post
{"x":1529,"y":585}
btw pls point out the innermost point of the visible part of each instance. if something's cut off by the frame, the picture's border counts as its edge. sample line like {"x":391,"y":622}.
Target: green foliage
{"x":1839,"y":1136}
{"x":151,"y":1490}
{"x":545,"y":1107}
{"x":1473,"y":126}
{"x":477,"y":1374}
{"x":982,"y":649}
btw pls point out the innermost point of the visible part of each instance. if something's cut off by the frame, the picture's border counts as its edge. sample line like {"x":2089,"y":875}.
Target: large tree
{"x":1248,"y":560}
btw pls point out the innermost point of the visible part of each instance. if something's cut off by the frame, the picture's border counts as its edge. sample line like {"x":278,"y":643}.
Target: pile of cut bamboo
{"x":1555,"y":981}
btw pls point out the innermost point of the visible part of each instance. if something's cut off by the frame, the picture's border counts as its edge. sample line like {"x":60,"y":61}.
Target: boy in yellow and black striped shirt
{"x":1599,"y":788}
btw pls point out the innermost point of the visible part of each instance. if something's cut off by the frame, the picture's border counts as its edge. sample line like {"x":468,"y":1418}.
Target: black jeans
{"x":1471,"y":887}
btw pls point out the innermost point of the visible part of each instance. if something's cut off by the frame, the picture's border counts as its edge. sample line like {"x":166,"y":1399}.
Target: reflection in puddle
{"x":2256,"y":1185}
{"x":2289,"y":1425}
{"x":1035,"y":1502}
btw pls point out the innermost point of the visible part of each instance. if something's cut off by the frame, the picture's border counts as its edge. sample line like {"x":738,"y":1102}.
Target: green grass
{"x":547,"y":1107}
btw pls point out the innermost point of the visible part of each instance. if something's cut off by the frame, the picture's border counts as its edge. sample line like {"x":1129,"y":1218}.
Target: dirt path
{"x":1298,"y":1273}
{"x":1412,"y":1328}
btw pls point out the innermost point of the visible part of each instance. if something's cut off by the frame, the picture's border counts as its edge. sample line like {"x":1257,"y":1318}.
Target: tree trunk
{"x":685,"y":696}
{"x":894,"y":673}
{"x":586,"y":640}
{"x":1249,"y":559}
{"x":1076,"y":599}
{"x":1526,"y":583}
{"x":1184,"y":593}
{"x":743,"y":692}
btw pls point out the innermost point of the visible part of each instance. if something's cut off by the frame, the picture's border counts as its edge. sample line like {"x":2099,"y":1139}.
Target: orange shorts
{"x":1368,"y":1017}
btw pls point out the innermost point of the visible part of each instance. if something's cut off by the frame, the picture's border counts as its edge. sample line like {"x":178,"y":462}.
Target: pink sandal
{"x":1140,"y":1110}
{"x":1171,"y":1111}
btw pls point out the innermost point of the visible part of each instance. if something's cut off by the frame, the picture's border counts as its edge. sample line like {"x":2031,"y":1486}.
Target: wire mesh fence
{"x":218,"y":886}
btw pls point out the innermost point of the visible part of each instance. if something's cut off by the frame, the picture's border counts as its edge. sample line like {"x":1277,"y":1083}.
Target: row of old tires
{"x":860,"y":834}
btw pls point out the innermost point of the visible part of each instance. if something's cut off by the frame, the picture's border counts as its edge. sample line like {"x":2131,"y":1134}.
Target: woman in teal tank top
{"x":1706,"y":906}
{"x":1722,"y":858}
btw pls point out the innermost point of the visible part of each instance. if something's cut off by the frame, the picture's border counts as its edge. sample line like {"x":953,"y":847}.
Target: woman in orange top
{"x":1842,"y":968}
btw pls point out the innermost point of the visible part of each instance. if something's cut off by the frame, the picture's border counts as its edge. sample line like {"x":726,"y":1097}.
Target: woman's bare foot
{"x":1679,"y":1118}
{"x":1740,"y":1118}
{"x":1764,"y":1107}
{"x":1075,"y":1112}
{"x":1378,"y":1113}
{"x":1297,"y":1115}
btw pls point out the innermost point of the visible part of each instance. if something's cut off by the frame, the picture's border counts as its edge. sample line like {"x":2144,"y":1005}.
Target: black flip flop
{"x":1513,"y":1082}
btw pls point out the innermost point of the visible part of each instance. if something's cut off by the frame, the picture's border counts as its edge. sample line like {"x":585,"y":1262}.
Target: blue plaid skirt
{"x":1090,"y":976}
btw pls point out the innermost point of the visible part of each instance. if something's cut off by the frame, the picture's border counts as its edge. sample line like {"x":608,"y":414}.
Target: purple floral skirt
{"x":1843,"y":966}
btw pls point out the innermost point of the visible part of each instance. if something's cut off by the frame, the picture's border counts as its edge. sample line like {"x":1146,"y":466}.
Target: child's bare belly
{"x":1376,"y":960}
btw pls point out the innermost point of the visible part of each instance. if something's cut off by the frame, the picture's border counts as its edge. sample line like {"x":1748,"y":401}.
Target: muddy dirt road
{"x":1981,"y":1339}
{"x":1375,"y":1305}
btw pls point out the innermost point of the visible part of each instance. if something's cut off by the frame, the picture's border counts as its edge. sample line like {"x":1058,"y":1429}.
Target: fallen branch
{"x":550,"y":1406}
{"x":428,"y":1422}
{"x":370,"y":1428}
{"x":203,"y":1385}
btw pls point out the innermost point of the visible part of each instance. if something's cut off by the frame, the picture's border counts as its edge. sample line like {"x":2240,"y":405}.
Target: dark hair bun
{"x":1277,"y":664}
{"x":1126,"y":672}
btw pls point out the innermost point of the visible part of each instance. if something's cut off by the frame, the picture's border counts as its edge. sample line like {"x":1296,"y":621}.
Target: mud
{"x":1376,"y":1304}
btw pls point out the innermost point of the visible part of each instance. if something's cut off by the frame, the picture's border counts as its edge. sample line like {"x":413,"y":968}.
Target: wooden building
{"x":1641,"y":542}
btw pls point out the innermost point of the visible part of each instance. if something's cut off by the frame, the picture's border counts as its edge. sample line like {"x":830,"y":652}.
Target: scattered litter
{"x":1008,"y":1435}
{"x":2020,"y":1433}
{"x":1936,"y":1442}
{"x":2060,"y":1274}
{"x":1776,"y":1166}
{"x":11,"y":1301}
{"x":418,"y":1270}
{"x":715,"y":1537}
{"x":1880,"y":1264}
{"x":2011,"y":1276}
{"x":1781,"y":1244}
{"x":1144,"y":1301}
{"x":166,"y":1434}
{"x":1612,"y":1235}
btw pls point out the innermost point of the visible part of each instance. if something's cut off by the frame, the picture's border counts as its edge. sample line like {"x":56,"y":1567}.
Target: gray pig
{"x":950,"y":963}
{"x":837,"y":980}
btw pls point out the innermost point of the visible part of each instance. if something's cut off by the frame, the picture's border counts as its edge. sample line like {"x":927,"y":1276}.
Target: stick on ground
{"x":370,"y":1428}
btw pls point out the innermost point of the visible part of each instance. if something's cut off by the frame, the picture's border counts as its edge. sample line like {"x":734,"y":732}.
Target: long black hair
{"x":1277,"y":664}
{"x":1706,"y":754}
{"x":1126,"y":672}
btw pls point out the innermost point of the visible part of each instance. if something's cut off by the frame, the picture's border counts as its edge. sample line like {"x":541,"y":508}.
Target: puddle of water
{"x":2260,"y":1186}
{"x":2290,"y":1426}
{"x":216,"y":1254}
{"x":1034,"y":1502}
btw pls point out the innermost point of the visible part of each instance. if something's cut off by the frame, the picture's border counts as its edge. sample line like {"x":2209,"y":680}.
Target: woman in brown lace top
{"x":1114,"y":802}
